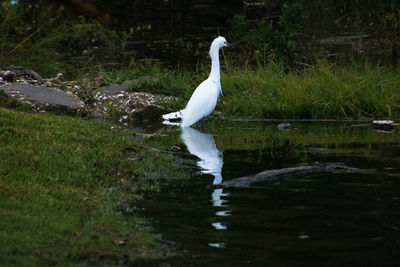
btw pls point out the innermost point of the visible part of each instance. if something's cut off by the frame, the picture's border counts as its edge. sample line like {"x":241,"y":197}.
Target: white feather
{"x":201,"y":103}
{"x":173,"y":115}
{"x":204,"y":98}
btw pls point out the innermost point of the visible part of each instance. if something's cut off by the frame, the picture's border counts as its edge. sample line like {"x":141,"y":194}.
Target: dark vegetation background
{"x":73,"y":36}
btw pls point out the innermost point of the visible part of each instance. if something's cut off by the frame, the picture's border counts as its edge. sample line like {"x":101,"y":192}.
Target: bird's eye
{"x":225,"y":42}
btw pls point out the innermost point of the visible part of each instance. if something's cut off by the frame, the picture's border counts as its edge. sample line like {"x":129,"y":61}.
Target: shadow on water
{"x":332,"y":218}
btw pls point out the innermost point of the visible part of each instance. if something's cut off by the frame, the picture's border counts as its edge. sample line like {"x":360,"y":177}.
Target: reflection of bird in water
{"x":203,"y":146}
{"x":204,"y":98}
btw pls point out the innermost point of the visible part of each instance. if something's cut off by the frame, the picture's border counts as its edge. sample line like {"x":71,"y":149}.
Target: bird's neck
{"x":214,"y":54}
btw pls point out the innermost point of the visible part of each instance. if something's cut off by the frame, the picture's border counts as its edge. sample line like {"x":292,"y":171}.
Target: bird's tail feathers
{"x":173,"y":115}
{"x":167,"y":122}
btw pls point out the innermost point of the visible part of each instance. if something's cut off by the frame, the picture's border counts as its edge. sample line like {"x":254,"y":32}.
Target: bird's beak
{"x":229,"y":45}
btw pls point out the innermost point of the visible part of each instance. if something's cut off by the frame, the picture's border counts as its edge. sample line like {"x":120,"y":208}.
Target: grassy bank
{"x":324,"y":91}
{"x":68,"y":188}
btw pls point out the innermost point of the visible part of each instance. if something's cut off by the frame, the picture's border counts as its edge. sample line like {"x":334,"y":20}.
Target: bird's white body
{"x":202,"y":102}
{"x":204,"y":98}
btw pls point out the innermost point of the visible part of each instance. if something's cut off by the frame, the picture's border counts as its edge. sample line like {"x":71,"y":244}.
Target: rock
{"x":54,"y":94}
{"x":58,"y":82}
{"x":384,"y":125}
{"x":137,"y":84}
{"x":128,"y":106}
{"x":148,"y":113}
{"x":59,"y":76}
{"x":44,"y":98}
{"x":17,"y":74}
{"x":113,"y":89}
{"x":284,"y":126}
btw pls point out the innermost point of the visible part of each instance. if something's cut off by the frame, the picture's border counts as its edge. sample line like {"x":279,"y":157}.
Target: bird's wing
{"x":201,"y":103}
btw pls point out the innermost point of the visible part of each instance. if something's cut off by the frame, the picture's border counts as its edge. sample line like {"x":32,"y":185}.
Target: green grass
{"x":324,"y":91}
{"x":62,"y":180}
{"x":154,"y":78}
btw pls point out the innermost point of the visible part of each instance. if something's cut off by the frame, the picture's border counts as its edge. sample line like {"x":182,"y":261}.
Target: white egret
{"x":204,"y":98}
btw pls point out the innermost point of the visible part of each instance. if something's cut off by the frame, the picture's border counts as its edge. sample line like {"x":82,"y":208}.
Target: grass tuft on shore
{"x":324,"y":91}
{"x":67,"y":187}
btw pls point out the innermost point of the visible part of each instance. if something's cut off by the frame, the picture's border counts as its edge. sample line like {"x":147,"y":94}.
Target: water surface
{"x":331,"y":218}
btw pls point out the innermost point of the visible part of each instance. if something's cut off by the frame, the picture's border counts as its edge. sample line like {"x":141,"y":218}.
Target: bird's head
{"x":219,"y":42}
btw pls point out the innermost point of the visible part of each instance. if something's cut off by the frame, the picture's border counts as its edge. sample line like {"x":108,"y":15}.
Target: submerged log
{"x":272,"y":175}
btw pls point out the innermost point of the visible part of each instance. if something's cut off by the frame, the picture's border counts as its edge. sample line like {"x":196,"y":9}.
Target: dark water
{"x":181,"y":30}
{"x":333,"y":218}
